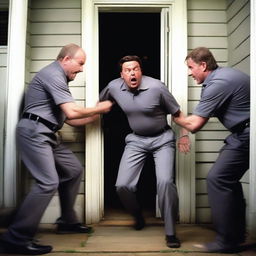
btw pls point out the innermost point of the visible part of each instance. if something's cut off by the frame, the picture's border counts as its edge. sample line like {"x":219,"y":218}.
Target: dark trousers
{"x":225,"y":190}
{"x":54,"y":167}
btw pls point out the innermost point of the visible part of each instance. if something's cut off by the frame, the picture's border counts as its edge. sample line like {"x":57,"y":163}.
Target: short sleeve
{"x":59,"y":90}
{"x":213,"y":97}
{"x":168,"y":101}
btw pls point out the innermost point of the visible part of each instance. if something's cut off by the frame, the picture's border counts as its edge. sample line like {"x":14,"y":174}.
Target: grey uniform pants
{"x":225,"y":190}
{"x":163,"y":149}
{"x":54,"y":167}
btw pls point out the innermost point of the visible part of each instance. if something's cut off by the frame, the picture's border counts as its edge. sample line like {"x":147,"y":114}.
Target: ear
{"x":204,"y":66}
{"x":66,"y":58}
{"x":121,"y":75}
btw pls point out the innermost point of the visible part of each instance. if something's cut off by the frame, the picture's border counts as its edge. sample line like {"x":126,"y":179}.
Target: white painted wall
{"x":238,"y":23}
{"x":206,"y":27}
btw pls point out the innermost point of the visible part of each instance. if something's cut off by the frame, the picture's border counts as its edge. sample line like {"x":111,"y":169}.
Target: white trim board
{"x":177,"y":74}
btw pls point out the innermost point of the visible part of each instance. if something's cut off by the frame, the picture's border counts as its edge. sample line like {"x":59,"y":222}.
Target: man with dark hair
{"x":225,"y":95}
{"x":147,"y":102}
{"x":48,"y":104}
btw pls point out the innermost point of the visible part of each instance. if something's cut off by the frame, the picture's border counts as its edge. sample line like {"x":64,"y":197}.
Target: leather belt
{"x":241,"y":126}
{"x":39,"y":119}
{"x":167,"y":127}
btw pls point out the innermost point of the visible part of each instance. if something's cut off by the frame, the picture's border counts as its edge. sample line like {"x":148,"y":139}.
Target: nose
{"x":81,"y":68}
{"x":189,"y":72}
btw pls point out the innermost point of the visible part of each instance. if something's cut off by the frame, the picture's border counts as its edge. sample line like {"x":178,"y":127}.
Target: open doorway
{"x":123,"y":34}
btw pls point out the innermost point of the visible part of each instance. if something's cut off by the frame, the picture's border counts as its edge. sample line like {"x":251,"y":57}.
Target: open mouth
{"x":133,"y":80}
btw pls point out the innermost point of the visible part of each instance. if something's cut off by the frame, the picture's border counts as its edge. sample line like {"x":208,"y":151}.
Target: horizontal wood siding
{"x":4,"y":4}
{"x":238,"y":18}
{"x":206,"y":27}
{"x":53,"y":24}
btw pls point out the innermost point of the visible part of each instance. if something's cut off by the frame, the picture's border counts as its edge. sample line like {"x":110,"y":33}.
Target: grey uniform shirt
{"x":225,"y":95}
{"x":47,"y":90}
{"x":147,"y":107}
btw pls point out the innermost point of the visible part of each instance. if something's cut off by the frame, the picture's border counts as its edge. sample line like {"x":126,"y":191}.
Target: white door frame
{"x":15,"y":84}
{"x":177,"y":83}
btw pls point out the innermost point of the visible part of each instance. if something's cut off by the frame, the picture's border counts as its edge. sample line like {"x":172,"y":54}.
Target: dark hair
{"x":129,"y":58}
{"x":203,"y":54}
{"x":68,"y":50}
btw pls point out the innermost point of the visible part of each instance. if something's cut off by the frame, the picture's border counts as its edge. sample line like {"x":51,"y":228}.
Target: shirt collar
{"x":209,"y":77}
{"x":57,"y":63}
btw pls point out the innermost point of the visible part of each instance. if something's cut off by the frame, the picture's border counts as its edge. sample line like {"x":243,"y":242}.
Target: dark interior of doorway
{"x":122,"y":34}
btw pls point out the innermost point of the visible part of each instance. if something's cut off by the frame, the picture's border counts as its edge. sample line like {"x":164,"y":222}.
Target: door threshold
{"x":120,"y":217}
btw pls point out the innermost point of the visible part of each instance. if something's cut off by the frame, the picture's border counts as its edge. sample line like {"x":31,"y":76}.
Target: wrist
{"x":184,"y":135}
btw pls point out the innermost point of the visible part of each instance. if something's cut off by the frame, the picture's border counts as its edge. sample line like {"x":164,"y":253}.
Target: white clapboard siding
{"x":4,"y":4}
{"x":244,"y":65}
{"x":206,"y":16}
{"x":203,"y":215}
{"x":206,"y":5}
{"x":206,"y":27}
{"x":53,"y":40}
{"x":51,"y":25}
{"x":240,"y":34}
{"x":210,"y":42}
{"x":55,"y":15}
{"x":56,"y":4}
{"x":238,"y":18}
{"x":199,"y":29}
{"x":53,"y":210}
{"x":235,"y":18}
{"x":211,"y":135}
{"x":240,"y":53}
{"x":208,"y":146}
{"x":56,"y":28}
{"x":202,"y":169}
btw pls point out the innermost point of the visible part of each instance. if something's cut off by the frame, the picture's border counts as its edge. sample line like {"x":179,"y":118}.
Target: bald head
{"x":72,"y":58}
{"x":69,"y":50}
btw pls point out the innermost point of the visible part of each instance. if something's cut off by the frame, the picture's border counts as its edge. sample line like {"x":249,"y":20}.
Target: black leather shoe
{"x":139,"y":222}
{"x":64,"y":228}
{"x":28,"y":249}
{"x":172,"y":241}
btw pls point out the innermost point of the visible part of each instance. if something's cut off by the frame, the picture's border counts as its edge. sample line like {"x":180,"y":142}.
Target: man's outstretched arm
{"x":192,"y":123}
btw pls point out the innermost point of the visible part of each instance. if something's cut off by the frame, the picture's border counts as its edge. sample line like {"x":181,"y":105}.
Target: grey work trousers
{"x":225,"y":190}
{"x":162,"y":147}
{"x":54,"y":167}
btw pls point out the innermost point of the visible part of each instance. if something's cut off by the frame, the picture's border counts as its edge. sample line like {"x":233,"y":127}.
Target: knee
{"x":49,"y":187}
{"x":79,"y":171}
{"x":76,"y":172}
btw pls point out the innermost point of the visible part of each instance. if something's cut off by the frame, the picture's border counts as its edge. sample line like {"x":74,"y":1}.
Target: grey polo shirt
{"x":47,"y":90}
{"x":225,"y":95}
{"x":147,"y":107}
